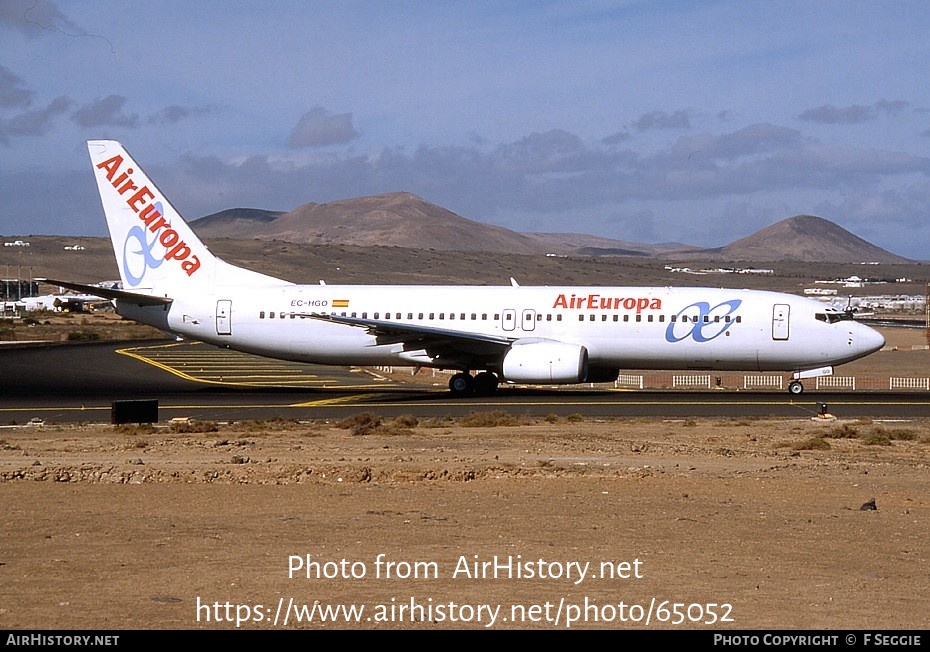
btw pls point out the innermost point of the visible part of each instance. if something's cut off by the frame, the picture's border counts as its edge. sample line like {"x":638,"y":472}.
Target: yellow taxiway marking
{"x":336,"y":401}
{"x":193,"y":362}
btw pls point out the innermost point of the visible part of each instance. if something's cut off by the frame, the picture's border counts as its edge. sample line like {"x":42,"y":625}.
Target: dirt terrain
{"x":698,"y":524}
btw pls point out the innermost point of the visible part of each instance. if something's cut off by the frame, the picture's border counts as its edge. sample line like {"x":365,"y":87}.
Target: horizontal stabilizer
{"x":111,"y":293}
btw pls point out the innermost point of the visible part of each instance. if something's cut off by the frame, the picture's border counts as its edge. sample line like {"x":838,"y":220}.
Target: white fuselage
{"x":620,"y":327}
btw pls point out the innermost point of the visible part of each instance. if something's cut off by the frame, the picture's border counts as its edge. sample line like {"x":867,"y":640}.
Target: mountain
{"x":401,"y":219}
{"x":802,"y":238}
{"x":236,"y":223}
{"x":398,"y":219}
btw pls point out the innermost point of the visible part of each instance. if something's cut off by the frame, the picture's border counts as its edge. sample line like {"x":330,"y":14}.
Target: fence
{"x":691,"y":381}
{"x":909,"y":383}
{"x":774,"y":382}
{"x":627,"y":380}
{"x":836,"y":382}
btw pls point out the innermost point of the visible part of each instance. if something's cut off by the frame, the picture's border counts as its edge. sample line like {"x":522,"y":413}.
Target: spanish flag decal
{"x":340,"y":303}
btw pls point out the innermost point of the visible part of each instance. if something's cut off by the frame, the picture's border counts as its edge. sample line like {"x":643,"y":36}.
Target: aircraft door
{"x":224,"y":317}
{"x":529,"y":320}
{"x":780,"y":314}
{"x":509,"y":319}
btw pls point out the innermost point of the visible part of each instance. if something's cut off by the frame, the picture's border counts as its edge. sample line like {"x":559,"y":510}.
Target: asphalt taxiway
{"x":63,"y":383}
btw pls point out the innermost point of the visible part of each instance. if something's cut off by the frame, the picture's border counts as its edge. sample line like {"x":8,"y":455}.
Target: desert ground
{"x":641,"y":524}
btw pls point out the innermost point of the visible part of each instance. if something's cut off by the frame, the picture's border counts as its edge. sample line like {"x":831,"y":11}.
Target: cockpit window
{"x":833,"y":317}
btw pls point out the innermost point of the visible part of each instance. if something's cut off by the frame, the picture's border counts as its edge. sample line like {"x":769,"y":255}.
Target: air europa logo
{"x":597,"y":302}
{"x":152,"y":216}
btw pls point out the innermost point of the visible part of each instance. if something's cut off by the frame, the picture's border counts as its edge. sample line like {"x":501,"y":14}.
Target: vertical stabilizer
{"x":156,"y":251}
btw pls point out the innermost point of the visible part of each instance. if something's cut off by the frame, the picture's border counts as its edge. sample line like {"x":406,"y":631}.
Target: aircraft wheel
{"x":486,"y":383}
{"x":795,"y":387}
{"x":461,"y":384}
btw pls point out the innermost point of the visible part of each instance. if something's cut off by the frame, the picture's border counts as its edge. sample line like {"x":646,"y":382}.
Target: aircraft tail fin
{"x":156,"y":250}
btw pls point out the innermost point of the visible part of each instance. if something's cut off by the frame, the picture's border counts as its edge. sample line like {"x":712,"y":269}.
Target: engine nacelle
{"x":545,"y":362}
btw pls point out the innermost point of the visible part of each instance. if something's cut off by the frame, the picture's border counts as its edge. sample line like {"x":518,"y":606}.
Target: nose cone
{"x":868,"y":340}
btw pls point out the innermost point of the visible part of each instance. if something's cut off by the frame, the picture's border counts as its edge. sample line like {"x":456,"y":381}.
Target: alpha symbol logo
{"x":701,"y":322}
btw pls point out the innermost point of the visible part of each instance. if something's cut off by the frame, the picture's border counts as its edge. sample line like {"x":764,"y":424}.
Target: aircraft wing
{"x":111,"y":293}
{"x":439,"y":342}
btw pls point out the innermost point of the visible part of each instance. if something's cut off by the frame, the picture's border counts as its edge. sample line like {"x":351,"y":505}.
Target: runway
{"x":67,"y":383}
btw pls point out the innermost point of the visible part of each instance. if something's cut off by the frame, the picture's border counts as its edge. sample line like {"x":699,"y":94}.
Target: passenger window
{"x":261,"y":315}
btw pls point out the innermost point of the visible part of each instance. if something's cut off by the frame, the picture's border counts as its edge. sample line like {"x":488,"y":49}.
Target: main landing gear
{"x":795,"y":387}
{"x":464,"y":384}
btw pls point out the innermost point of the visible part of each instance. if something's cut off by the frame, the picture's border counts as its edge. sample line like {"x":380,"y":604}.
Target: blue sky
{"x":696,"y":122}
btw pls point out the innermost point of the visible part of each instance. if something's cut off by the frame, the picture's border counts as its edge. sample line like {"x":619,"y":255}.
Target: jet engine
{"x":545,"y":362}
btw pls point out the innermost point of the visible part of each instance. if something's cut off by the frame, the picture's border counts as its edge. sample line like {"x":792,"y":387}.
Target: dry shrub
{"x":489,"y":420}
{"x":876,"y":438}
{"x":406,"y":421}
{"x":134,"y":429}
{"x":364,"y":423}
{"x":844,"y":431}
{"x":812,"y":444}
{"x":897,"y":434}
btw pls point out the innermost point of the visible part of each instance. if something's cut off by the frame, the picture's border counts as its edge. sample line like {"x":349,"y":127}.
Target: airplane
{"x":536,"y":335}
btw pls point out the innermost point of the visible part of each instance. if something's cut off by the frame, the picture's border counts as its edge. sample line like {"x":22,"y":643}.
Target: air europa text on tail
{"x":138,"y":201}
